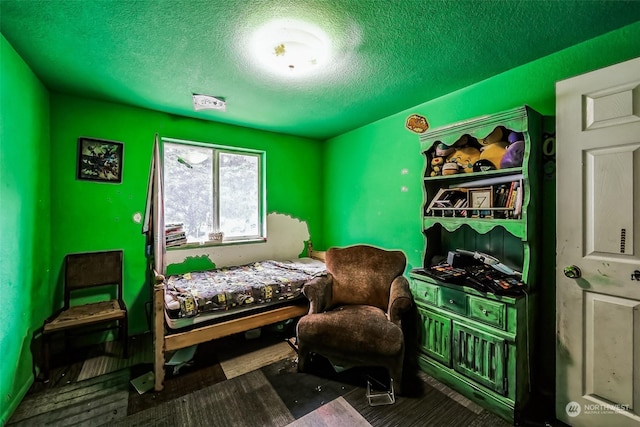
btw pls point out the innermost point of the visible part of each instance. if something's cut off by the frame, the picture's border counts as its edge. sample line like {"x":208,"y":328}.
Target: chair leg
{"x":46,"y":353}
{"x":395,"y":373}
{"x":124,"y":337}
{"x":303,"y":357}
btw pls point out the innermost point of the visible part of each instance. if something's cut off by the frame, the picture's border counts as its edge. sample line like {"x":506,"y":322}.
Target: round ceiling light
{"x":290,"y":47}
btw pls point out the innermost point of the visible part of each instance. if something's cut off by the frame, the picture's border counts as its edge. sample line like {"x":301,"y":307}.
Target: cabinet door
{"x":435,"y":336}
{"x":480,"y":356}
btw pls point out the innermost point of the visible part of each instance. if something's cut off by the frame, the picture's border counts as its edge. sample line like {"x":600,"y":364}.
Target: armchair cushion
{"x":383,"y":337}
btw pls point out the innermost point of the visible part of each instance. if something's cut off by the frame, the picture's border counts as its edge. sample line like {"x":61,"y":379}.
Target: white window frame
{"x":216,"y":151}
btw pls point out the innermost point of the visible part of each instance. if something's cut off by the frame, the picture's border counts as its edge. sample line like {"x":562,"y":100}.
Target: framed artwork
{"x":479,"y":200}
{"x":99,"y":160}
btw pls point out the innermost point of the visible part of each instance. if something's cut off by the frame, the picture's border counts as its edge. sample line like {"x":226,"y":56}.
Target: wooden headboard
{"x":319,"y":255}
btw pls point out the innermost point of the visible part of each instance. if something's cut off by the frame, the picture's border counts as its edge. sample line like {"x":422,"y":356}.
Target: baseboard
{"x":15,"y":401}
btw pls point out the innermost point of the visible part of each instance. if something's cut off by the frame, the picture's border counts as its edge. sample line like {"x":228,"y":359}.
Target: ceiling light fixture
{"x":290,"y":47}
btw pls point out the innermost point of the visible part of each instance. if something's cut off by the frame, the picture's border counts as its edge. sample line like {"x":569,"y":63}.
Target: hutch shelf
{"x":481,"y":343}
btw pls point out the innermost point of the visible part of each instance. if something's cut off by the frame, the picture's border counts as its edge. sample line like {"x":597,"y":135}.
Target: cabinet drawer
{"x":491,"y":312}
{"x":426,"y":292}
{"x":453,"y":300}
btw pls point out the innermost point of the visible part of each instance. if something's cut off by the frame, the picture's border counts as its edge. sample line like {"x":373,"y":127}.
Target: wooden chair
{"x":82,"y":271}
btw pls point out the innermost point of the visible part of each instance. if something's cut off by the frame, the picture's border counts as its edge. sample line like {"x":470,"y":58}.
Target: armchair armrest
{"x":318,"y":292}
{"x":400,"y":299}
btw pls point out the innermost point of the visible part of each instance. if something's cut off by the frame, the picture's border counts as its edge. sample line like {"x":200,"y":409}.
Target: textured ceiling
{"x":387,"y":55}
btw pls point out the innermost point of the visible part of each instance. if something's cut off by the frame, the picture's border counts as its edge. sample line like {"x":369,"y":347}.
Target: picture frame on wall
{"x":99,"y":160}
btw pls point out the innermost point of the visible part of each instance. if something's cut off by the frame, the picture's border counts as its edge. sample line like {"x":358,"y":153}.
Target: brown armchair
{"x":355,"y":311}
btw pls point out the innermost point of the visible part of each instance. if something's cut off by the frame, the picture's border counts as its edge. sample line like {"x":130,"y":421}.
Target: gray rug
{"x":247,"y":400}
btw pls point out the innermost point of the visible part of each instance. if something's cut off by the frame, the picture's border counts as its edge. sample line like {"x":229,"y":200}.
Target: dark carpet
{"x":201,"y":395}
{"x":95,"y":401}
{"x":244,"y":401}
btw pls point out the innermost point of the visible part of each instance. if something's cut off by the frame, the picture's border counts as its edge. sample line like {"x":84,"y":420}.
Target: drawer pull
{"x":484,"y":311}
{"x":451,"y":301}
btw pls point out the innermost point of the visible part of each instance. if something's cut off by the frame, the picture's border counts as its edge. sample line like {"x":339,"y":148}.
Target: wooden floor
{"x":231,"y":382}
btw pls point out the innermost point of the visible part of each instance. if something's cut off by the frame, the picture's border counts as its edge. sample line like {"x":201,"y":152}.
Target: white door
{"x":598,"y":247}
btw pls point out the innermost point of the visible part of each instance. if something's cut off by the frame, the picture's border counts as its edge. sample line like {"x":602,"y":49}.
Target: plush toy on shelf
{"x":439,"y":157}
{"x":498,"y":134}
{"x":493,"y":153}
{"x":436,"y":165}
{"x":515,"y":151}
{"x":443,"y":150}
{"x":494,"y":146}
{"x":483,"y":165}
{"x":464,"y":157}
{"x":450,"y":168}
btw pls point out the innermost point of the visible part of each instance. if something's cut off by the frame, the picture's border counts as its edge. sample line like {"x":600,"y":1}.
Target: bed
{"x":197,"y":307}
{"x":184,"y":314}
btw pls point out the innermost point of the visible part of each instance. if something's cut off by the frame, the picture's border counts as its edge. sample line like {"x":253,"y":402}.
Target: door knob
{"x":572,"y":272}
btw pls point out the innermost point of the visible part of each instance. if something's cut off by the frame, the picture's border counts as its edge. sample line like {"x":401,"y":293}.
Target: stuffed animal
{"x":436,"y":165}
{"x":498,"y":134}
{"x":443,"y":150}
{"x":515,"y":152}
{"x":494,"y":152}
{"x":464,"y":157}
{"x":515,"y":136}
{"x":494,"y":146}
{"x":483,"y":165}
{"x":450,"y":168}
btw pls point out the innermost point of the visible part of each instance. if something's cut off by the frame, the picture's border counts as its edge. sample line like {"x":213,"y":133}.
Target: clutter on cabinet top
{"x":477,"y":270}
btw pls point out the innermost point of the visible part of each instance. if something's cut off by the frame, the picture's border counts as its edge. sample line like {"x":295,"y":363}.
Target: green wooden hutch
{"x":481,"y":343}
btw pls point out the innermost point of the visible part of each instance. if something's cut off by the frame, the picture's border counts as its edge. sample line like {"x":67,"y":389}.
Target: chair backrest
{"x":363,"y":274}
{"x":91,"y":269}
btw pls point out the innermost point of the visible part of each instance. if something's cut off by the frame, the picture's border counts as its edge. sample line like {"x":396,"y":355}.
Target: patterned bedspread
{"x":195,"y":293}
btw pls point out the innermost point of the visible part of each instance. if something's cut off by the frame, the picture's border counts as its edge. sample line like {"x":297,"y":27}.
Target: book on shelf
{"x":445,"y":201}
{"x":510,"y":195}
{"x":506,"y":200}
{"x":502,"y":192}
{"x":517,"y":210}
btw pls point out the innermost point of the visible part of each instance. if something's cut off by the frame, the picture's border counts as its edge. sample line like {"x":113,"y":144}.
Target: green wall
{"x":369,"y":167}
{"x":24,"y":221}
{"x":372,"y":178}
{"x":90,"y":216}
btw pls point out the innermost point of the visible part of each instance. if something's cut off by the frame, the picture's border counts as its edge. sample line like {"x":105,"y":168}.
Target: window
{"x":209,"y":188}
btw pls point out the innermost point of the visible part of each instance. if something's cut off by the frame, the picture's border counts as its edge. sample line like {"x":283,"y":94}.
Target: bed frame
{"x":165,"y":342}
